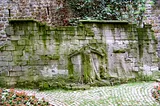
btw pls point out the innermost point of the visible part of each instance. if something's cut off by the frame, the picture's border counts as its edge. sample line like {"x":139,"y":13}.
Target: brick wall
{"x":49,"y":11}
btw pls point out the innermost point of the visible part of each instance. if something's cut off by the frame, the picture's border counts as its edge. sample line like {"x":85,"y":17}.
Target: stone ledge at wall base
{"x":93,"y":50}
{"x":63,"y":82}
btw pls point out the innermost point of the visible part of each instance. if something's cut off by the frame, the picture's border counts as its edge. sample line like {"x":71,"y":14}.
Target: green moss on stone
{"x":119,"y":51}
{"x":3,"y":47}
{"x":58,"y":36}
{"x":80,"y":31}
{"x":43,"y":34}
{"x":50,"y":57}
{"x":154,"y":38}
{"x":87,"y":68}
{"x":70,"y":68}
{"x":64,"y":28}
{"x":142,"y":35}
{"x":89,"y":32}
{"x":53,"y":57}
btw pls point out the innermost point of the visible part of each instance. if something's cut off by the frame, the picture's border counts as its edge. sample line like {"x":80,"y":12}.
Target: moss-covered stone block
{"x":119,"y":51}
{"x":58,"y":36}
{"x":88,"y":31}
{"x":70,"y":33}
{"x":93,"y":41}
{"x":50,"y":57}
{"x":80,"y":31}
{"x":66,"y":28}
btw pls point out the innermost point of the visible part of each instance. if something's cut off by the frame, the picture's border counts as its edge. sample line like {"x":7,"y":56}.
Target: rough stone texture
{"x":122,"y":49}
{"x":54,"y":12}
{"x":49,"y":11}
{"x":152,"y":16}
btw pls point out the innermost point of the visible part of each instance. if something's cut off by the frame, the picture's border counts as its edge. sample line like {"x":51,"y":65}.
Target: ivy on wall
{"x":131,"y":10}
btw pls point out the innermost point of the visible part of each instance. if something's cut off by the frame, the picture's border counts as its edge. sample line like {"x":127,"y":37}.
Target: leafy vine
{"x":131,"y":10}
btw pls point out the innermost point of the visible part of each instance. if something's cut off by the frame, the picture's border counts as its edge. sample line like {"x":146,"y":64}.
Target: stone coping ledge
{"x":22,"y":20}
{"x":83,"y":21}
{"x":105,"y":21}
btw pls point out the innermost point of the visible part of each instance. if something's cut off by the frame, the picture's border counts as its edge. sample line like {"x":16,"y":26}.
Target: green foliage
{"x":143,"y":77}
{"x":46,"y":83}
{"x":97,"y":83}
{"x":108,"y":9}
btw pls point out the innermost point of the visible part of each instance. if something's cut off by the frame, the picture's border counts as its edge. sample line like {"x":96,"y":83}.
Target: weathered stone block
{"x":20,"y":62}
{"x":5,"y":53}
{"x":70,"y":33}
{"x":15,"y":73}
{"x":17,"y":53}
{"x":155,"y":58}
{"x":7,"y":58}
{"x":3,"y":69}
{"x":11,"y":63}
{"x":12,"y":47}
{"x":19,"y":33}
{"x":76,"y":60}
{"x":9,"y":30}
{"x":16,"y":68}
{"x":80,"y":31}
{"x":151,"y":49}
{"x":15,"y":38}
{"x":28,"y":49}
{"x":93,"y":41}
{"x":24,"y":42}
{"x":97,"y":37}
{"x":25,"y":68}
{"x":89,"y":37}
{"x":2,"y":63}
{"x":44,"y":37}
{"x":132,"y":53}
{"x":1,"y":58}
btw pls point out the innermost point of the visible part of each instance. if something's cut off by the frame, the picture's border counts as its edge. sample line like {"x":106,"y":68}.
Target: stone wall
{"x":118,"y":48}
{"x":152,"y":17}
{"x":92,"y":50}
